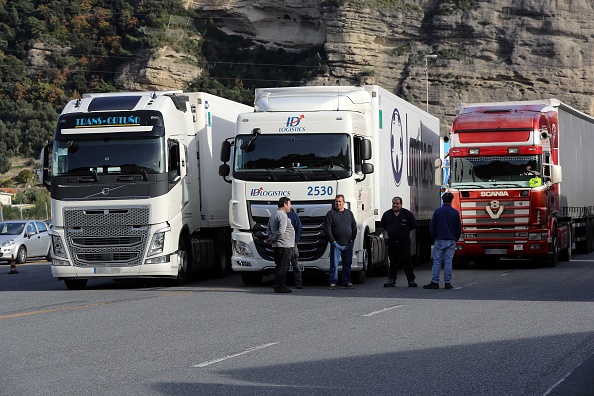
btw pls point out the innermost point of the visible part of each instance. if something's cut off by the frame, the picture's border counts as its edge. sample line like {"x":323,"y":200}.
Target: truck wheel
{"x":565,"y":255}
{"x":359,"y":276}
{"x":182,"y":257}
{"x":252,"y":278}
{"x":554,"y":256}
{"x":222,"y":259}
{"x":75,"y":284}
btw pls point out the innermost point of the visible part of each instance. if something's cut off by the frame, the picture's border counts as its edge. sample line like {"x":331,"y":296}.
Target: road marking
{"x":566,"y":376}
{"x":70,"y":308}
{"x":204,"y":364}
{"x":381,"y":310}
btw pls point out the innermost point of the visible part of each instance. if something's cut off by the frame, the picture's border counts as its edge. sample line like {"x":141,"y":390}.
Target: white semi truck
{"x":312,"y":143}
{"x":134,"y":186}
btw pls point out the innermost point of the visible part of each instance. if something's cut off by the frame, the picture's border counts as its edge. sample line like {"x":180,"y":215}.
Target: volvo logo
{"x":495,"y":209}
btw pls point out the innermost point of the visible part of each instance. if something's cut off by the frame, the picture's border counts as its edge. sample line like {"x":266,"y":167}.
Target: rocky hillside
{"x":492,"y":50}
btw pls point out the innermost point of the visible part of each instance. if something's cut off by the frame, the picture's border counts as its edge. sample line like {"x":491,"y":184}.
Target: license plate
{"x":107,"y":270}
{"x":518,"y":247}
{"x":495,"y":251}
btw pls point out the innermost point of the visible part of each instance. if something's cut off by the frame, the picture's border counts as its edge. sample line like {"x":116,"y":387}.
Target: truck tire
{"x":359,"y":276}
{"x":182,"y":257}
{"x":222,"y":259}
{"x":553,"y":258}
{"x":252,"y":278}
{"x":75,"y":284}
{"x":565,"y":254}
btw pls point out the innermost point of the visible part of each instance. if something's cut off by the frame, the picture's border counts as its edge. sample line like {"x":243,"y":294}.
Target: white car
{"x":23,"y":239}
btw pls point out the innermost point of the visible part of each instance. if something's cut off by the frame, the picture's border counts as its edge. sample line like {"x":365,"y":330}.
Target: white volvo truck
{"x":312,"y":143}
{"x":134,"y":186}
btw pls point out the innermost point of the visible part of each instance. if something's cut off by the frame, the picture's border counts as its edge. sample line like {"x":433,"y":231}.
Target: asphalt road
{"x":505,"y":329}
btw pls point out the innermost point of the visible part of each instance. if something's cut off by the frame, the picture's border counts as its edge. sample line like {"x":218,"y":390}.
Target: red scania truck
{"x":506,"y":162}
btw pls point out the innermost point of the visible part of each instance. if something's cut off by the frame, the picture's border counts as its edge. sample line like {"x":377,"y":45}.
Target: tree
{"x":25,"y":176}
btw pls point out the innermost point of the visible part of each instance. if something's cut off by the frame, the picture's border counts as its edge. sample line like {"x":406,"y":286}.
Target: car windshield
{"x":11,"y":228}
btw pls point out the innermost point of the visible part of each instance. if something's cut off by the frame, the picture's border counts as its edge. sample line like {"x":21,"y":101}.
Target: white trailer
{"x":134,"y":189}
{"x":312,"y":143}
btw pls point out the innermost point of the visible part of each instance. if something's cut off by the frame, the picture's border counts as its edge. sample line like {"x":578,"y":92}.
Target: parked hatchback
{"x":24,"y":239}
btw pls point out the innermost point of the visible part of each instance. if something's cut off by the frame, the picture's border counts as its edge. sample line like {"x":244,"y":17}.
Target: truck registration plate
{"x":518,"y":247}
{"x":107,"y":270}
{"x":495,"y":251}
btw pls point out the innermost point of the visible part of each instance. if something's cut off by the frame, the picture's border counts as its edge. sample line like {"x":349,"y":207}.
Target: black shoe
{"x":299,"y":287}
{"x":448,"y":286}
{"x":283,"y":290}
{"x":348,"y":286}
{"x":431,"y":285}
{"x":412,"y":284}
{"x":390,"y":283}
{"x":332,"y":286}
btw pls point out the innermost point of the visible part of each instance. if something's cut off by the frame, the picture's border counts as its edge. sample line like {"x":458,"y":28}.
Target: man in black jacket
{"x":341,"y":230}
{"x":399,"y":222}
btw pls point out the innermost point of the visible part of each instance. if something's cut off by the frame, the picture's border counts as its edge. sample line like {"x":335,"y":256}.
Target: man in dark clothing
{"x":341,"y":230}
{"x":296,"y":222}
{"x":398,"y":223}
{"x":445,"y":229}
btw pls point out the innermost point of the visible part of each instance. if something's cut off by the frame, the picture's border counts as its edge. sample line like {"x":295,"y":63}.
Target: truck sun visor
{"x":114,"y":103}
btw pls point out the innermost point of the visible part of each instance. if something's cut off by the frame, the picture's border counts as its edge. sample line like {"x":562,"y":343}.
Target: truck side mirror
{"x":44,"y":168}
{"x":366,"y":168}
{"x":438,"y":176}
{"x":365,"y":150}
{"x":556,"y":174}
{"x":225,"y":151}
{"x":224,"y":170}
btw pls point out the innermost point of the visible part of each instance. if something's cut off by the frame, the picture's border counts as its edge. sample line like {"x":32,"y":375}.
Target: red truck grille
{"x":495,"y":221}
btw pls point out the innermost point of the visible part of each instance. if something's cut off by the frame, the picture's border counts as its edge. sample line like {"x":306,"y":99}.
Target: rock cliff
{"x":486,"y":50}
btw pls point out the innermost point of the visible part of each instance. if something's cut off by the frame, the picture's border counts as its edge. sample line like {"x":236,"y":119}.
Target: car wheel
{"x":48,"y":257}
{"x":21,"y":255}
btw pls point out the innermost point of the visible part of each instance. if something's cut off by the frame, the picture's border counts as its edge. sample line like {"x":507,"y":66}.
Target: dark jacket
{"x":445,"y":224}
{"x":294,"y":217}
{"x":340,"y":226}
{"x":399,"y":227}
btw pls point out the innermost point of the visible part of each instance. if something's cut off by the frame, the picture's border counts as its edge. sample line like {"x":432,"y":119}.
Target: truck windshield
{"x":98,"y":156}
{"x":293,"y":157}
{"x":489,"y":172}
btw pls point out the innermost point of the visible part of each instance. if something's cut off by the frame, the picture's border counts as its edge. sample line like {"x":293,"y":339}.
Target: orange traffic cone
{"x":13,"y":269}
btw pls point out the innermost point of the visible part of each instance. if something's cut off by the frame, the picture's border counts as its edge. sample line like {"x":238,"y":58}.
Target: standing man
{"x":296,"y":223}
{"x":341,"y":230}
{"x":281,"y":235}
{"x":398,"y":223}
{"x":445,"y":229}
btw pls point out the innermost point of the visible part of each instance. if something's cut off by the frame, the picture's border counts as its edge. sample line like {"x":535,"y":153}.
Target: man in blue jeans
{"x":341,"y":230}
{"x":445,"y":229}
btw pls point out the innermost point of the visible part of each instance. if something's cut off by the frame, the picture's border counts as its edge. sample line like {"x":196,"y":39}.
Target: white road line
{"x":381,"y":310}
{"x":204,"y":364}
{"x":566,"y":375}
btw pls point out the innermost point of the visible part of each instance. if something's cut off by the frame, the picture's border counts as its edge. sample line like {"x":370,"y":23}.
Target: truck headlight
{"x":58,"y":246}
{"x":158,"y":242}
{"x":242,"y":249}
{"x":537,"y":236}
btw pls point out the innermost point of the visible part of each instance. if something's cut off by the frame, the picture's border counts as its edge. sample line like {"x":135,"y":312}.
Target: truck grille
{"x":107,"y":237}
{"x":495,"y":222}
{"x":312,"y":244}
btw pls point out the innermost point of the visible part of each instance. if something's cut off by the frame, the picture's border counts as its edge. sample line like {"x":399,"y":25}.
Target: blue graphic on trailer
{"x":397,"y":146}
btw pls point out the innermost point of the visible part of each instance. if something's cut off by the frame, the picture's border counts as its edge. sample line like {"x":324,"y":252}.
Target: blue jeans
{"x":338,"y":252}
{"x":443,"y":252}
